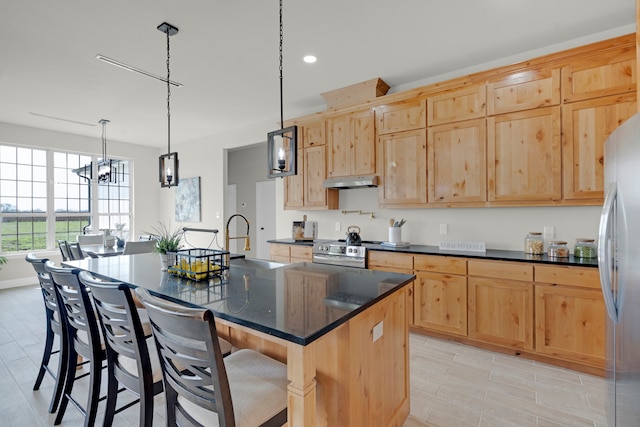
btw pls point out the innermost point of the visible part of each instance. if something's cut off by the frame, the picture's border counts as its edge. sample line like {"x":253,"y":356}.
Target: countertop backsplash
{"x":500,"y":228}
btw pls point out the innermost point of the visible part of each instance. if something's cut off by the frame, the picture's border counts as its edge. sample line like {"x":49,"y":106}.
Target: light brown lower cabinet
{"x":440,"y":294}
{"x":570,"y":316}
{"x":282,"y":252}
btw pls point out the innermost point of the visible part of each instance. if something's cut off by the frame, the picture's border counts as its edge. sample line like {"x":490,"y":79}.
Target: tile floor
{"x":451,"y":384}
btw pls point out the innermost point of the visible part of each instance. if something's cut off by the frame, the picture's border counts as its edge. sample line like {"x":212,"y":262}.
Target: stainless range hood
{"x":345,"y":182}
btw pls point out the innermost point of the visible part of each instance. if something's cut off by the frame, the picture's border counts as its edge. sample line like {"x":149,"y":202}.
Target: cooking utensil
{"x":391,"y":222}
{"x":402,"y":222}
{"x":353,"y":236}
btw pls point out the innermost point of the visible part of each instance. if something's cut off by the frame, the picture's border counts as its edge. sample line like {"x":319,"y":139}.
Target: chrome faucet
{"x":227,"y":237}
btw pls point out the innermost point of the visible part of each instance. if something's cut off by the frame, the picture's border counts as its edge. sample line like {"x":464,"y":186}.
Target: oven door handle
{"x":340,"y":261}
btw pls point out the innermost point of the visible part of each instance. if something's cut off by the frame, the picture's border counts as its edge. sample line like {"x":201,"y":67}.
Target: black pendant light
{"x":282,"y":144}
{"x":168,"y":166}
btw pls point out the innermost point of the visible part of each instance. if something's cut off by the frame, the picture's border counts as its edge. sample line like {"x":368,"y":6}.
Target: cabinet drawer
{"x":278,"y":250}
{"x":570,"y":276}
{"x":390,"y":260}
{"x":304,"y":252}
{"x":501,"y":270}
{"x":440,"y":264}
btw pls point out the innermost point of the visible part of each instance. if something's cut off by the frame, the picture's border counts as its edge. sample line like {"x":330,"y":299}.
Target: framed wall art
{"x":188,"y":200}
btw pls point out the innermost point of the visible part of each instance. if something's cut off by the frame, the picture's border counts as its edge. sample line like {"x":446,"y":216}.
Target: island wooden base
{"x":344,"y":378}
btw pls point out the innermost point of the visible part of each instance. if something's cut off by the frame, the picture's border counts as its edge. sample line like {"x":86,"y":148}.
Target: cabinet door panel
{"x":524,"y":160}
{"x":340,"y":140}
{"x":571,"y":324}
{"x":313,"y":134}
{"x":501,"y":312}
{"x":363,"y":153}
{"x":403,"y":158}
{"x":607,"y":73}
{"x":314,"y":174}
{"x":457,"y":162}
{"x":457,"y":105}
{"x":524,"y":91}
{"x":440,"y":302}
{"x":401,"y":116}
{"x":586,"y":126}
{"x":294,"y":186}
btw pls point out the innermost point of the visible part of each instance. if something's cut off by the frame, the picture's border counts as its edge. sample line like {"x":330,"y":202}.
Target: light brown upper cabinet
{"x":351,"y":141}
{"x":524,"y":91}
{"x":305,"y":190}
{"x":586,"y":126}
{"x":604,"y":73}
{"x":457,"y":105}
{"x":457,"y":159}
{"x":294,"y":185}
{"x":401,"y":116}
{"x":402,"y":166}
{"x":523,"y":152}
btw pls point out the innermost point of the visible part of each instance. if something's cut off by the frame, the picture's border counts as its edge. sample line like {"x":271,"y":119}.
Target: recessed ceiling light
{"x":309,"y":59}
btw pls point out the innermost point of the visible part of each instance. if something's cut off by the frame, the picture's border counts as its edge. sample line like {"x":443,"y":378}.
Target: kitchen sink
{"x":256,"y":264}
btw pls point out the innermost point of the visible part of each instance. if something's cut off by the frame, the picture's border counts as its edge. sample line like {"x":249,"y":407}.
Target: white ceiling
{"x":226,"y":55}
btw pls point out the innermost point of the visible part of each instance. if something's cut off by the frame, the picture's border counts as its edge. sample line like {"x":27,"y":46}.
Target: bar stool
{"x":246,"y":388}
{"x":132,"y":360}
{"x":55,"y":328}
{"x":83,"y":339}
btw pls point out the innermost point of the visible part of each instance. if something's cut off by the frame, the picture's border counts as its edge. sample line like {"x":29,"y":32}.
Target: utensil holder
{"x":395,"y":234}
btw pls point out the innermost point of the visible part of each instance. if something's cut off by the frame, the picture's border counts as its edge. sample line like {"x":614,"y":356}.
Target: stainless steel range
{"x":339,"y":253}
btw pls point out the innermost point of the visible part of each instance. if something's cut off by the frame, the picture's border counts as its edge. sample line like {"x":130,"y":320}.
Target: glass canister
{"x":534,"y":243}
{"x":585,"y":248}
{"x":558,"y":249}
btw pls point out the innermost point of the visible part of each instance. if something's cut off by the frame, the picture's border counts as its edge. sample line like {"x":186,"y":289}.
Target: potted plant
{"x":3,"y":260}
{"x":167,"y":240}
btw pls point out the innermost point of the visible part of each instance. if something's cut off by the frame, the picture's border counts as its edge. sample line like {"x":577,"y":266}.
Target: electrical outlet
{"x":338,"y":226}
{"x":444,"y":229}
{"x":377,"y":331}
{"x":549,"y":232}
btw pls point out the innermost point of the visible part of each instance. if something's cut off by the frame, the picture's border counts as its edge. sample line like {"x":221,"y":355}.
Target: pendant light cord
{"x":168,"y":96}
{"x":281,"y":38}
{"x":104,"y":122}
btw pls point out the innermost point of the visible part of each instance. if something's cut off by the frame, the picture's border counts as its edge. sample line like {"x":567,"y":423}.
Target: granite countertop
{"x":491,"y":254}
{"x":296,"y":302}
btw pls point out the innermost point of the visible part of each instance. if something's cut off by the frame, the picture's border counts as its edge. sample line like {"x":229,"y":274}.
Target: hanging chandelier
{"x":282,"y":144}
{"x":168,"y":164}
{"x":107,"y":172}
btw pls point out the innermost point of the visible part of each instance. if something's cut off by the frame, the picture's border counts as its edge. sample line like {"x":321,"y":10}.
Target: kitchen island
{"x":343,"y":332}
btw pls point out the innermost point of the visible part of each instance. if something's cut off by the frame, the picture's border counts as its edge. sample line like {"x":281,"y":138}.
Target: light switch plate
{"x":444,"y":229}
{"x":377,"y":331}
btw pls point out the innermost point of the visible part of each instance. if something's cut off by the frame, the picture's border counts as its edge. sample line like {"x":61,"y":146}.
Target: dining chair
{"x":83,"y":339}
{"x":55,"y":327}
{"x":132,"y":359}
{"x":139,"y":247}
{"x":90,"y":239}
{"x":64,"y":250}
{"x":75,"y":251}
{"x":202,"y":388}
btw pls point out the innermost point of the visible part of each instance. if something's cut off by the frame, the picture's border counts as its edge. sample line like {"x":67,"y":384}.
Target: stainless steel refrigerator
{"x":619,"y":264}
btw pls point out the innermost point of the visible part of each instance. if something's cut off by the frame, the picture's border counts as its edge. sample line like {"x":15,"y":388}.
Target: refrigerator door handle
{"x":604,"y":259}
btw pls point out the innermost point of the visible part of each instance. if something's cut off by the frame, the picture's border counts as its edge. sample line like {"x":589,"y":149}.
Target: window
{"x":35,"y":214}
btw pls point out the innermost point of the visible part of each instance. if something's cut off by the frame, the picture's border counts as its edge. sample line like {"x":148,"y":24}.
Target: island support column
{"x":301,"y":372}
